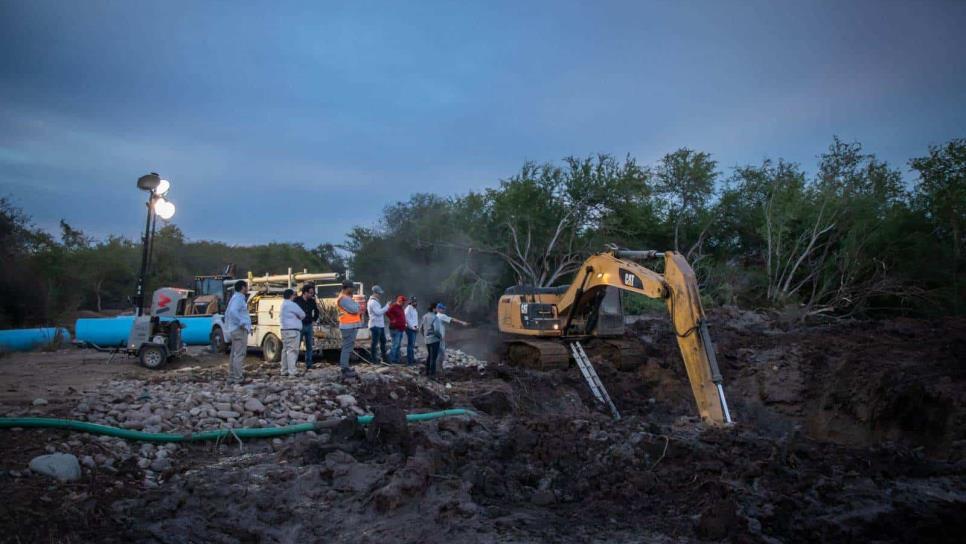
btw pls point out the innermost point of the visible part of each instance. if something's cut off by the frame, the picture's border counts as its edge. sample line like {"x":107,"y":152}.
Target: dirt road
{"x":62,"y":376}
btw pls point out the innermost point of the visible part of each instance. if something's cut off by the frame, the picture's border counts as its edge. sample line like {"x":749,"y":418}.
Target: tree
{"x":410,"y":250}
{"x":942,"y":194}
{"x":73,"y":239}
{"x":544,"y":221}
{"x":330,"y":258}
{"x":108,"y":270}
{"x":20,"y":303}
{"x":781,"y":223}
{"x":686,"y":178}
{"x":821,"y":242}
{"x":862,"y":193}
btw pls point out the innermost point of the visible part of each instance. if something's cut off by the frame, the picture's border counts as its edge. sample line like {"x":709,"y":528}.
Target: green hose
{"x":268,"y":432}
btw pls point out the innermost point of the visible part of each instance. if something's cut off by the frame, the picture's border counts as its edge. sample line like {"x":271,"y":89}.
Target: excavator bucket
{"x":688,"y":321}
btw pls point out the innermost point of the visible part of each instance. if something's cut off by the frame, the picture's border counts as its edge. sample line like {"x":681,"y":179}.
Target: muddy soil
{"x":845,"y":433}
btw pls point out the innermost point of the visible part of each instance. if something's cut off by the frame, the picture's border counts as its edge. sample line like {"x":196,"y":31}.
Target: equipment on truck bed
{"x":265,"y":307}
{"x":542,"y":322}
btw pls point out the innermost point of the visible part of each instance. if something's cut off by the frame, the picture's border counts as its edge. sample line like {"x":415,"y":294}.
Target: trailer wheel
{"x":153,"y":356}
{"x":216,"y":341}
{"x":272,"y":348}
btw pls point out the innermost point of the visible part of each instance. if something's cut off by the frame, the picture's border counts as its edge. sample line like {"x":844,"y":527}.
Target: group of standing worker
{"x":403,"y":317}
{"x":299,"y":313}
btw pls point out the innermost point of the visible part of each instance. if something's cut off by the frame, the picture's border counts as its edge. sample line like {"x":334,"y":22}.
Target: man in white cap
{"x":377,"y":323}
{"x":443,"y":320}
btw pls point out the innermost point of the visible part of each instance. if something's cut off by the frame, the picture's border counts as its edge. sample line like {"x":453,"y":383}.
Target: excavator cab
{"x":212,"y":296}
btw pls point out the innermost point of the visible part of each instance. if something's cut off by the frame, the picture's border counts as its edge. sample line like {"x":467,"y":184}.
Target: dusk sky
{"x":292,"y":121}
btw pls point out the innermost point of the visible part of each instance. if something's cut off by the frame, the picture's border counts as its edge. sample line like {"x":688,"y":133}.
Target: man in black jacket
{"x":311,"y":309}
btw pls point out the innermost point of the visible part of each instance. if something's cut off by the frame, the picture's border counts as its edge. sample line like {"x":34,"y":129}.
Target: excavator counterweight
{"x":540,"y":323}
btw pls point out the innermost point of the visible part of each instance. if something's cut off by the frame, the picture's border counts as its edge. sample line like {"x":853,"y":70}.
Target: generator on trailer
{"x":155,"y":340}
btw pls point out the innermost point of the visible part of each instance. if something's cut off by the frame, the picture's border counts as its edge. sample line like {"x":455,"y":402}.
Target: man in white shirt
{"x":412,"y":325}
{"x":377,"y":323}
{"x":238,"y":325}
{"x":443,"y":320}
{"x":291,"y":318}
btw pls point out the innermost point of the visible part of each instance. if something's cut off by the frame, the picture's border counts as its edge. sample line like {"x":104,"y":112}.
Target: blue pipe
{"x":113,"y":331}
{"x":28,"y":339}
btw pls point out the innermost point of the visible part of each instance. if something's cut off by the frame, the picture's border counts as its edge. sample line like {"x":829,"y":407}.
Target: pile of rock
{"x":197,"y":400}
{"x":204,"y":406}
{"x":459,"y":359}
{"x":455,"y":358}
{"x":188,"y":405}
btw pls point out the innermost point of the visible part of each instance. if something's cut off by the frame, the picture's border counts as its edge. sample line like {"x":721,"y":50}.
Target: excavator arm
{"x":679,"y":288}
{"x":694,"y":340}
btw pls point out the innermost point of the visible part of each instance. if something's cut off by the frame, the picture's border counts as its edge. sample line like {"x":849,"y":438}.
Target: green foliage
{"x":828,"y":245}
{"x":848,"y":240}
{"x":635,"y":304}
{"x":542,"y":221}
{"x":45,"y":280}
{"x":686,"y":181}
{"x":941,"y":198}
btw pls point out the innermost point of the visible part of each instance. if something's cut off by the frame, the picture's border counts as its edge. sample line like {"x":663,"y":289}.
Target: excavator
{"x":544,"y":327}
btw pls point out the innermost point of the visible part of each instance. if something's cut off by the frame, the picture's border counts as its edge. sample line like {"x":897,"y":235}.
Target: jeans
{"x":308,"y":335}
{"x":290,"y":351}
{"x":236,"y":360}
{"x":396,"y":344}
{"x":348,"y":345}
{"x":378,"y":337}
{"x":410,"y":346}
{"x":431,"y":357}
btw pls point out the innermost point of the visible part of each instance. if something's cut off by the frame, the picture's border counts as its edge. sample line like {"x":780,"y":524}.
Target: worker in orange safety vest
{"x":350,"y":321}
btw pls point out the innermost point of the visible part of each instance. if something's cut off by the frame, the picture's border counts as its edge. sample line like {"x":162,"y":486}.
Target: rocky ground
{"x":851,"y":432}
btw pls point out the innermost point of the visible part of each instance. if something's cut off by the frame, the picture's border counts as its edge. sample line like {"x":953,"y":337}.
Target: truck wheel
{"x":153,"y":356}
{"x":272,"y":348}
{"x":216,"y":341}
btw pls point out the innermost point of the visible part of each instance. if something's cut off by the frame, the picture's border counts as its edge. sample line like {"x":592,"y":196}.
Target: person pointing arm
{"x":377,"y":323}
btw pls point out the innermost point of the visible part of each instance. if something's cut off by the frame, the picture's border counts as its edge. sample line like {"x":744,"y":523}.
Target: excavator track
{"x":537,"y":354}
{"x":625,"y":355}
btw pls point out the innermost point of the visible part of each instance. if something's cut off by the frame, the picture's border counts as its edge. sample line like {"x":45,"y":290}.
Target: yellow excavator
{"x":543,"y":327}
